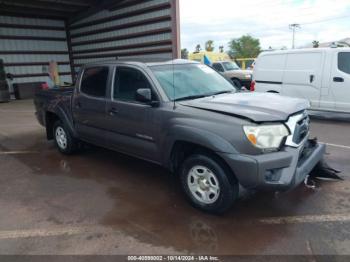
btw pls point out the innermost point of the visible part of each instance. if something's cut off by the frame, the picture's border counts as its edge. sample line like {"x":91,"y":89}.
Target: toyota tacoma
{"x":190,"y":119}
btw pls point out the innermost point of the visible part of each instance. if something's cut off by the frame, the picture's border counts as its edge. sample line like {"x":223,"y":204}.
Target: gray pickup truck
{"x":188,"y":118}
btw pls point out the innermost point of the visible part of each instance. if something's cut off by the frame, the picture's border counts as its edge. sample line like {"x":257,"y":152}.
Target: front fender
{"x":196,"y":136}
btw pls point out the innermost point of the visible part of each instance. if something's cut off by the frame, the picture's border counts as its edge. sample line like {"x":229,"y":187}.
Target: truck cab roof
{"x":141,"y":63}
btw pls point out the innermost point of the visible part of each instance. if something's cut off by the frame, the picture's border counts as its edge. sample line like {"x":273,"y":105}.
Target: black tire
{"x":237,"y":83}
{"x":228,"y":184}
{"x":71,"y":146}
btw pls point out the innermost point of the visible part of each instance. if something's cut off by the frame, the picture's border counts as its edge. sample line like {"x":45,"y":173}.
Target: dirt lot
{"x":101,"y":202}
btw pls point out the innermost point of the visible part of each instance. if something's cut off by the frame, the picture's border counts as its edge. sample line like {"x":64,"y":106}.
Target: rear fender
{"x":63,"y":116}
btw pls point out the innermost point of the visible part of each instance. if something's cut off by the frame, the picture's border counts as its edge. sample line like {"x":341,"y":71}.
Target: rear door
{"x":89,"y":104}
{"x":303,"y":76}
{"x":340,"y":81}
{"x":268,"y":72}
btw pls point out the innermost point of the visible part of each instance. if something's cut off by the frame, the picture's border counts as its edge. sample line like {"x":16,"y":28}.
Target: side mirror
{"x":143,"y":95}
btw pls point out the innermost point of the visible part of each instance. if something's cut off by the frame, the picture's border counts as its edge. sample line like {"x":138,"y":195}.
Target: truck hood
{"x":258,"y":107}
{"x":238,"y":73}
{"x":242,"y":71}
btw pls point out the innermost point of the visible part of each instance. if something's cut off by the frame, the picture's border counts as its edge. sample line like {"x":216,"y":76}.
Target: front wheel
{"x":64,"y":141}
{"x":208,"y":184}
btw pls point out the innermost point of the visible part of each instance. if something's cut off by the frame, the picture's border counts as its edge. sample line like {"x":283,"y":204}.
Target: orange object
{"x":252,"y":138}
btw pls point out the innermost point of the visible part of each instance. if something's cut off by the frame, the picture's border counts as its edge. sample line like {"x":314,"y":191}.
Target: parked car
{"x":320,"y":75}
{"x":241,"y":78}
{"x":188,"y":118}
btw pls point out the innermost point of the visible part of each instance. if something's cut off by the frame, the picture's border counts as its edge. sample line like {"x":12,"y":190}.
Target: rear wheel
{"x":208,"y":184}
{"x":64,"y":141}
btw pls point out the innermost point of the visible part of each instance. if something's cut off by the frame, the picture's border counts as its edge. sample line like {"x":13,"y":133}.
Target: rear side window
{"x":218,"y":67}
{"x":344,"y":62}
{"x":94,"y":81}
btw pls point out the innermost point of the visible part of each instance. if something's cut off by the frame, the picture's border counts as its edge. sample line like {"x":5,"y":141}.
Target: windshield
{"x":190,"y":80}
{"x":229,"y":66}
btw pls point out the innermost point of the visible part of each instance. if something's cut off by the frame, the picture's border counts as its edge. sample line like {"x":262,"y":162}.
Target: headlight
{"x":266,"y":136}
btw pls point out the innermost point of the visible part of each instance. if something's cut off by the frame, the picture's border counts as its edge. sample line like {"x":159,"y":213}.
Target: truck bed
{"x":49,"y":100}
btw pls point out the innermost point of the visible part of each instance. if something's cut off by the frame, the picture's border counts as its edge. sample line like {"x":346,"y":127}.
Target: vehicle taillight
{"x":252,"y":86}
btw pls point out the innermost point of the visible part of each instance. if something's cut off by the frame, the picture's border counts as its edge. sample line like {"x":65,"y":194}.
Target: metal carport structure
{"x":75,"y":32}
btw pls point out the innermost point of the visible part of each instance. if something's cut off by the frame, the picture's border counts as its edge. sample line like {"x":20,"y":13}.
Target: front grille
{"x":299,"y":126}
{"x":302,"y":129}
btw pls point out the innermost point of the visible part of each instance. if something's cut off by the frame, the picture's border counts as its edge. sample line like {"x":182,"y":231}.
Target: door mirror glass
{"x":143,"y":95}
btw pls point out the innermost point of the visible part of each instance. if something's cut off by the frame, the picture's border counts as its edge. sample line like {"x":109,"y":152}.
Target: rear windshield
{"x":179,"y":81}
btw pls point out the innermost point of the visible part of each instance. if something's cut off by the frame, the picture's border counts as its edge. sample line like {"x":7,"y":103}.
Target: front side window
{"x":181,"y":81}
{"x":127,"y":82}
{"x":344,"y":62}
{"x":94,"y":81}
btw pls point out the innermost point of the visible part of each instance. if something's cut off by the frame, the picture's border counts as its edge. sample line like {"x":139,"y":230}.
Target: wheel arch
{"x":52,"y":117}
{"x":181,"y":150}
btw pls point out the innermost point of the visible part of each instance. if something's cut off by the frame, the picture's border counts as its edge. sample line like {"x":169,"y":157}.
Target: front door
{"x":340,"y":81}
{"x":89,"y":104}
{"x":132,"y":125}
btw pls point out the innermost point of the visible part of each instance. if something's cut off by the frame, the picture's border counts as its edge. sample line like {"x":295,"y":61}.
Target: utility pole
{"x":294,"y":27}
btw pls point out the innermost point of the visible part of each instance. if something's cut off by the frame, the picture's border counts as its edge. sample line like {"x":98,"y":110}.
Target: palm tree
{"x":198,"y":48}
{"x":209,"y":46}
{"x":316,"y":44}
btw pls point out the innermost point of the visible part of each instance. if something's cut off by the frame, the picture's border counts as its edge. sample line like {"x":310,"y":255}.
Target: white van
{"x":320,"y":75}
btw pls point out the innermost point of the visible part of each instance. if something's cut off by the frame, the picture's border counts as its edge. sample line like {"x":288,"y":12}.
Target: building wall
{"x":133,"y":30}
{"x":28,"y":44}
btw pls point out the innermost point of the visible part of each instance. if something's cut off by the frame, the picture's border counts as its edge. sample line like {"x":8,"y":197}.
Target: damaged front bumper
{"x":279,"y":171}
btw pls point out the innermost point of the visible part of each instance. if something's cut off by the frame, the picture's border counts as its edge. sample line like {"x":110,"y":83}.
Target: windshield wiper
{"x":205,"y":95}
{"x":190,"y":97}
{"x":222,"y":92}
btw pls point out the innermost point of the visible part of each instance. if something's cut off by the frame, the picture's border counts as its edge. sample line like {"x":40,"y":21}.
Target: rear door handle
{"x":338,"y":79}
{"x":113,"y":112}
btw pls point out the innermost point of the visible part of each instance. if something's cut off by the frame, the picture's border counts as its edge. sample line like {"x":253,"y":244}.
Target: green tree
{"x":198,"y":48}
{"x":244,"y":47}
{"x":221,"y":48}
{"x":316,"y":44}
{"x":184,"y":53}
{"x":209,"y":46}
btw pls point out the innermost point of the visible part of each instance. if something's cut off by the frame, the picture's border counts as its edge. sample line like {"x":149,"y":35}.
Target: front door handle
{"x":338,"y":79}
{"x":113,"y":112}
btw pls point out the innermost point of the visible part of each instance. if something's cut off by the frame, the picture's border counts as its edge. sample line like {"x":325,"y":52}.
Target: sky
{"x":267,"y":20}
